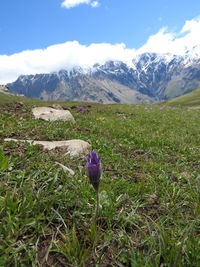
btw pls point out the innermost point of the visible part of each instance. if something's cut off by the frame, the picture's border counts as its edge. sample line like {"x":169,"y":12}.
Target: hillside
{"x":7,"y":98}
{"x":149,"y":190}
{"x":189,"y":100}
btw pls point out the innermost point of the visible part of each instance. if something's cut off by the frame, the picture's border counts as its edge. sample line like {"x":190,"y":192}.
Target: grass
{"x":188,"y":100}
{"x":149,"y":192}
{"x":7,"y":98}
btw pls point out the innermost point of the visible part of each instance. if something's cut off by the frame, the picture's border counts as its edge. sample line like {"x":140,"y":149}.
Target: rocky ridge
{"x":151,"y":77}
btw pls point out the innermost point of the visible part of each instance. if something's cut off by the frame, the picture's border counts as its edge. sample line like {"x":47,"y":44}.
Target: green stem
{"x":97,"y":204}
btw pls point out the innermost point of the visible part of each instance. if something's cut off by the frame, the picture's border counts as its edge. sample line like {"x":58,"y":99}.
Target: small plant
{"x":3,"y":161}
{"x":94,"y":173}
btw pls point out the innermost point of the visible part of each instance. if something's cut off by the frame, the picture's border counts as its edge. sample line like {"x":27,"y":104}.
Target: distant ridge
{"x":151,"y":77}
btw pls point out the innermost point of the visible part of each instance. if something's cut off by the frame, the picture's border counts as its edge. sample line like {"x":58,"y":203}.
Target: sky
{"x":41,"y":36}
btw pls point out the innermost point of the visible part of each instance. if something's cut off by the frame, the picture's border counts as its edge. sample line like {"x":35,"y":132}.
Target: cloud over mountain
{"x":60,"y":56}
{"x":174,"y":42}
{"x":70,"y":54}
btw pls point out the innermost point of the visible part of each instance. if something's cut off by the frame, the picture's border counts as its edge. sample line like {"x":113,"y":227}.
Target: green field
{"x":7,"y":98}
{"x":149,"y":191}
{"x":189,"y":100}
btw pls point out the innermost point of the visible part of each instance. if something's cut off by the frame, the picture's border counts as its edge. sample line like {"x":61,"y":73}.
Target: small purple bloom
{"x":82,"y":108}
{"x":124,"y":117}
{"x":94,"y":169}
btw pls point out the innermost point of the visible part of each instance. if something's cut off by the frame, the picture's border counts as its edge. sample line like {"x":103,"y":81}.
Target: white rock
{"x":74,"y":148}
{"x":51,"y":114}
{"x":66,"y":169}
{"x":57,"y":106}
{"x":4,"y":89}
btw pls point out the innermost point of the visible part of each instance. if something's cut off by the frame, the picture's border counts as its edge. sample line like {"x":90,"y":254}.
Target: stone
{"x":57,"y":106}
{"x":74,"y":148}
{"x":4,"y":88}
{"x":51,"y":114}
{"x":66,"y":169}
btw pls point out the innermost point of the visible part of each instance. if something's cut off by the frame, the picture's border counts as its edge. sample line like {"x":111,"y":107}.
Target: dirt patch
{"x":139,"y":153}
{"x":172,"y":160}
{"x":45,"y":257}
{"x":139,"y":176}
{"x":19,"y":109}
{"x":14,"y":149}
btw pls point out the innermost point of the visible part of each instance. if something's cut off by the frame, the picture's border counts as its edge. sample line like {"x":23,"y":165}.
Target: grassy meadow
{"x":188,"y":100}
{"x":149,"y":191}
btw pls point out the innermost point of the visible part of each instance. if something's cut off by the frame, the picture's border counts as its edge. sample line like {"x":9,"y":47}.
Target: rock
{"x":4,"y":88}
{"x":74,"y":148}
{"x":66,"y":169}
{"x":51,"y":114}
{"x":57,"y":106}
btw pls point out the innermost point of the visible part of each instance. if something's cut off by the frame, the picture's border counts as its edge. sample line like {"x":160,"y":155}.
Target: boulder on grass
{"x":74,"y":148}
{"x":51,"y":114}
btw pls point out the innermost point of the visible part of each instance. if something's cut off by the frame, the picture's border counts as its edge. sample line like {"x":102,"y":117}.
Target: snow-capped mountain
{"x":150,"y":77}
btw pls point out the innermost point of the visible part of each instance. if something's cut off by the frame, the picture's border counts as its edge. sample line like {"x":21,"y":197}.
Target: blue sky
{"x":41,"y":36}
{"x":31,"y":24}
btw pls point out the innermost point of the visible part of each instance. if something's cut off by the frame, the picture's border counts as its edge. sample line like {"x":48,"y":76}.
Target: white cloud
{"x":95,"y":4}
{"x":60,"y":56}
{"x":174,"y":42}
{"x":73,"y":3}
{"x":71,"y":54}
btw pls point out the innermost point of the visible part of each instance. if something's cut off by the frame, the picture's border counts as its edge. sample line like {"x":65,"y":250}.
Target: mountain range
{"x":150,"y":77}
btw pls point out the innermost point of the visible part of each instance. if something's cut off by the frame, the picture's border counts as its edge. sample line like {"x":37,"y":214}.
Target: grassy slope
{"x":149,"y":190}
{"x":189,"y":100}
{"x":11,"y":98}
{"x":6,"y":98}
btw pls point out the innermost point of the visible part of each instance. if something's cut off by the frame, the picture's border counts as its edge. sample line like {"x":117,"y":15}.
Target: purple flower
{"x":94,"y":169}
{"x":82,"y":108}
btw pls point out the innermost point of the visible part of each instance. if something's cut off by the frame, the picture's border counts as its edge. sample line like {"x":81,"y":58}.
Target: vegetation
{"x":6,"y":98}
{"x":189,"y":100}
{"x":149,"y":190}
